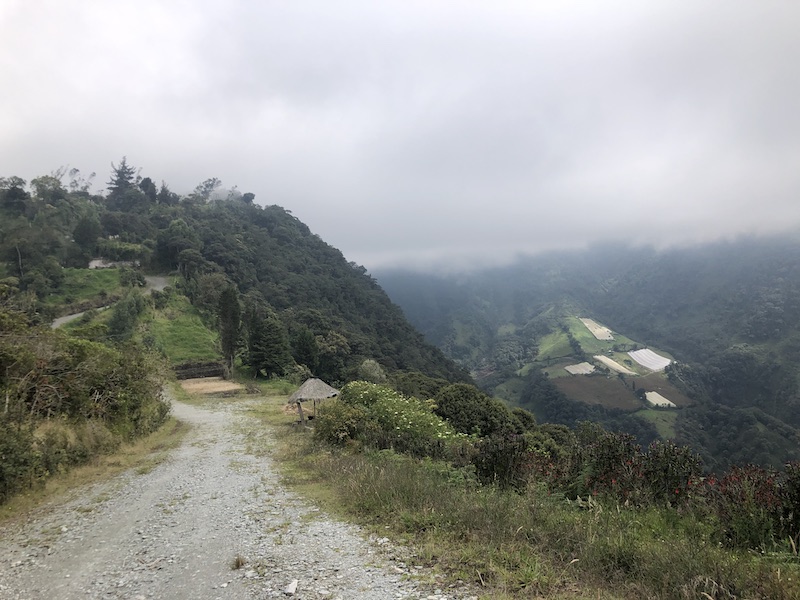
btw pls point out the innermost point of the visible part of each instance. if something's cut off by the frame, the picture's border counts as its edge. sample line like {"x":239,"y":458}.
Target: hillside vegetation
{"x":728,"y":313}
{"x":528,"y":510}
{"x":520,"y":507}
{"x":250,"y":288}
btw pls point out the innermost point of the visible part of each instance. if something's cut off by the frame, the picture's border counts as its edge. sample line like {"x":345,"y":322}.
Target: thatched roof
{"x":313,"y":389}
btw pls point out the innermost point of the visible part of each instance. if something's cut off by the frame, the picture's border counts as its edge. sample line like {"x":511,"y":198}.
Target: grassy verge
{"x":459,"y":529}
{"x":82,"y":285}
{"x":524,"y":545}
{"x":143,"y":455}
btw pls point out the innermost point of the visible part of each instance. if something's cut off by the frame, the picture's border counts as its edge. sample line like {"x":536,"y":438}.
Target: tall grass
{"x":535,"y":544}
{"x":86,"y":284}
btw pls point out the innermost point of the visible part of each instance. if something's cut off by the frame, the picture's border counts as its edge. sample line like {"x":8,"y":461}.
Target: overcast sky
{"x":431,"y":132}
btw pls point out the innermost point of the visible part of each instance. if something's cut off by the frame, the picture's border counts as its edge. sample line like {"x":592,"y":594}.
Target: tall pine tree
{"x":229,"y":315}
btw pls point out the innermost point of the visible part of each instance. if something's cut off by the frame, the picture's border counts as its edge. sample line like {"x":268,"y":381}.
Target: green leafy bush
{"x":379,"y":417}
{"x":338,"y":423}
{"x":505,"y":460}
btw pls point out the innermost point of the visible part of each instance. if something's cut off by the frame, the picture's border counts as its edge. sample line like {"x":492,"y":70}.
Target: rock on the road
{"x":212,"y":521}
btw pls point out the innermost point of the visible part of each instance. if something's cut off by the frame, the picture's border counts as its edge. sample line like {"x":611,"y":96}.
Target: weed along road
{"x":211,"y":520}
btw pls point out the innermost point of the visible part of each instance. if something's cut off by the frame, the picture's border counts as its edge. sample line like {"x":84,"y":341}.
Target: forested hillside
{"x":729,"y":313}
{"x":295,"y":291}
{"x":249,"y":287}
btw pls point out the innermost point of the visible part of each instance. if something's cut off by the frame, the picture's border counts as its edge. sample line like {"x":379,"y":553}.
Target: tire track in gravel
{"x":175,"y":532}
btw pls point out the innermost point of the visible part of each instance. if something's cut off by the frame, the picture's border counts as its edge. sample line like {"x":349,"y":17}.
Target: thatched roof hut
{"x":313,"y":389}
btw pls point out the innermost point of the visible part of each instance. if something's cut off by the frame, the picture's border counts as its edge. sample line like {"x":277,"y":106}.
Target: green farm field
{"x":610,"y":392}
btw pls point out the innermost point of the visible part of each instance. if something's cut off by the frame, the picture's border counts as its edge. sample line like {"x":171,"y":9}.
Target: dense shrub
{"x":16,"y":458}
{"x":505,"y":460}
{"x":338,"y":423}
{"x":471,"y":411}
{"x":749,"y":507}
{"x":670,"y":473}
{"x":379,"y":417}
{"x":68,"y":400}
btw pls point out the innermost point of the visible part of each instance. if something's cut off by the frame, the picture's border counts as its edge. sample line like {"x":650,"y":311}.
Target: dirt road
{"x":176,"y":532}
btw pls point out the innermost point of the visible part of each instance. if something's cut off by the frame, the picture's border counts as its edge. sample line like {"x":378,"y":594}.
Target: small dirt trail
{"x":175,"y":532}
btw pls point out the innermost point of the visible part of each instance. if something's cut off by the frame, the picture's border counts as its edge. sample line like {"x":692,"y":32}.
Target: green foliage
{"x":67,"y":399}
{"x":229,"y":318}
{"x":371,"y":371}
{"x":131,"y":278}
{"x":264,"y":251}
{"x":17,"y":458}
{"x":86,"y":233}
{"x":339,"y":423}
{"x":749,"y":504}
{"x":305,"y":349}
{"x":505,"y":460}
{"x":125,"y":314}
{"x":414,"y":383}
{"x":267,"y":347}
{"x":377,"y":416}
{"x":471,"y":411}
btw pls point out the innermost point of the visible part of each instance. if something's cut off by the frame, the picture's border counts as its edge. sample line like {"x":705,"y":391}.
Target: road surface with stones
{"x":176,"y":531}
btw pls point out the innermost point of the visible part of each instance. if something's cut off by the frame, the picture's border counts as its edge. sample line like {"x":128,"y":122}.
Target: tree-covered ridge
{"x":266,"y":295}
{"x":298,"y":297}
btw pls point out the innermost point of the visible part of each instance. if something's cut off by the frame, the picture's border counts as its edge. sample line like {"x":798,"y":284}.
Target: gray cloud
{"x":426,"y":133}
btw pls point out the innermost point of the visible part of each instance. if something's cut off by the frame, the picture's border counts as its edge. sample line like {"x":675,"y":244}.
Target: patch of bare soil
{"x":210,"y":385}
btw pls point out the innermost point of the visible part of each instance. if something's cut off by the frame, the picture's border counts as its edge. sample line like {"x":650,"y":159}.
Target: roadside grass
{"x":459,"y":529}
{"x":143,"y":456}
{"x":521,"y":545}
{"x":85,"y":284}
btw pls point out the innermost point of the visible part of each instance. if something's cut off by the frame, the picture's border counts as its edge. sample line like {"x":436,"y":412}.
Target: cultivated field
{"x":583,"y":368}
{"x":613,"y":365}
{"x":657,"y":400}
{"x":649,"y":359}
{"x":657,"y":382}
{"x":608,"y":392}
{"x":597,"y":330}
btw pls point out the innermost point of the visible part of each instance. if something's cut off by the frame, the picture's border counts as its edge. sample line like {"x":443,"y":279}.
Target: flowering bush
{"x":380,"y":417}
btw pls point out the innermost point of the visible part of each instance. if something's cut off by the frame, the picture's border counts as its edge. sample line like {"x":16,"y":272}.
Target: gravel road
{"x":175,"y":532}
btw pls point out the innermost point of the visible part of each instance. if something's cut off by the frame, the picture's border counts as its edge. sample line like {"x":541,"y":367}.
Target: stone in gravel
{"x":291,"y":588}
